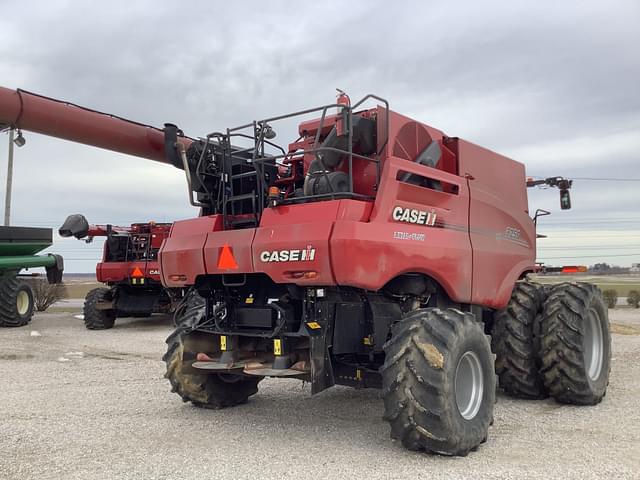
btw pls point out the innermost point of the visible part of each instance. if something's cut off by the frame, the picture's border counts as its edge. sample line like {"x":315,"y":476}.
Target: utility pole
{"x":7,"y":198}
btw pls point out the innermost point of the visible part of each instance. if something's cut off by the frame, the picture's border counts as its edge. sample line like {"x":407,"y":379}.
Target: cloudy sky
{"x":555,"y":86}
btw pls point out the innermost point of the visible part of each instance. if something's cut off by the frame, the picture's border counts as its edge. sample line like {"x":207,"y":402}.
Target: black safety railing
{"x":254,"y":158}
{"x":139,"y":248}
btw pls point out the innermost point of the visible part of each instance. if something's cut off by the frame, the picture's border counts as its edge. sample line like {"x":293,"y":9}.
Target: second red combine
{"x":129,"y":269}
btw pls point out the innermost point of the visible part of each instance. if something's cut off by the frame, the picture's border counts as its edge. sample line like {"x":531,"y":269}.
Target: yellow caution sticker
{"x":313,"y":325}
{"x":249,"y":300}
{"x":367,"y":340}
{"x":277,"y":347}
{"x":223,"y":343}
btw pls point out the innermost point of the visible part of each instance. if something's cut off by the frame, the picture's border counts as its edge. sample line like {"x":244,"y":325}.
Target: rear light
{"x":308,"y":275}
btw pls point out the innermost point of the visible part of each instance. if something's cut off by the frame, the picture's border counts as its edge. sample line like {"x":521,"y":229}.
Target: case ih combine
{"x":129,"y":268}
{"x":373,"y":251}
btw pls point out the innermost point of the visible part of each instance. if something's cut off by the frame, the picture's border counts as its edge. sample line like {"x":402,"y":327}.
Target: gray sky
{"x":554,"y":86}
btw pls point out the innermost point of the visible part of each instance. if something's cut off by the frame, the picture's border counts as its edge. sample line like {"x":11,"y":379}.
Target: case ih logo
{"x":306,"y":255}
{"x":417,"y":217}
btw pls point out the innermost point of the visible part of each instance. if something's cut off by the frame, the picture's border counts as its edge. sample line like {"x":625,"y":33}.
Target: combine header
{"x":129,"y":268}
{"x":372,"y":251}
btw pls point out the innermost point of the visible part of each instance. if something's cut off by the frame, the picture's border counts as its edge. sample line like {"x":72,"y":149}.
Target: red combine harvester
{"x":129,"y":268}
{"x":373,"y":251}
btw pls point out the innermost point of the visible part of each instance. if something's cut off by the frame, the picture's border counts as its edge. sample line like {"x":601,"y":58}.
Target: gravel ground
{"x":79,"y":404}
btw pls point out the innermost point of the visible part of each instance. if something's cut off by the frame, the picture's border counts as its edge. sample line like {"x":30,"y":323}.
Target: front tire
{"x":438,"y":382}
{"x":214,"y":390}
{"x":95,"y":318}
{"x":576,"y":344}
{"x":16,"y":302}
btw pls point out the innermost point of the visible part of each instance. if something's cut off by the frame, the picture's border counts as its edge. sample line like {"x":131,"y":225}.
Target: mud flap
{"x":321,"y":368}
{"x":54,"y":272}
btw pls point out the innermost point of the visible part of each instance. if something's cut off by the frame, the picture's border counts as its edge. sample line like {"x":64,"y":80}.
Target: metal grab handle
{"x":183,"y":155}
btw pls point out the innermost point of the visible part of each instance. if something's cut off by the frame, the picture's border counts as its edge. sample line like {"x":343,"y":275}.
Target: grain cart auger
{"x":129,"y":269}
{"x":372,"y":251}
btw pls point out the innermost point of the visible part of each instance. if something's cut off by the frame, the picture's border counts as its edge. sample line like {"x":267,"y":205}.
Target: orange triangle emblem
{"x":137,"y":272}
{"x":226,"y":261}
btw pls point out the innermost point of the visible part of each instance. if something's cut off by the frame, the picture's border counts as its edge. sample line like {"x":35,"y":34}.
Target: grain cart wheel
{"x":576,"y":344}
{"x":438,"y":382}
{"x":216,"y":390}
{"x":16,"y":302}
{"x":514,"y":341}
{"x":95,"y":318}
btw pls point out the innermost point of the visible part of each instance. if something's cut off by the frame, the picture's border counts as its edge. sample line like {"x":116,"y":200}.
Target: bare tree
{"x":46,"y":294}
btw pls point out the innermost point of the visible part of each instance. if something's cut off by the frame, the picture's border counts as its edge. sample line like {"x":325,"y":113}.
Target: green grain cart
{"x":18,"y":248}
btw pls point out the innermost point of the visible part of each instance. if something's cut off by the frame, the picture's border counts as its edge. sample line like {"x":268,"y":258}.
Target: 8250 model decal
{"x":416,"y":217}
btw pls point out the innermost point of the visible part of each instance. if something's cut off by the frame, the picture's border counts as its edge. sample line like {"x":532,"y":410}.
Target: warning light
{"x":137,"y":272}
{"x":226,"y":261}
{"x":274,"y":192}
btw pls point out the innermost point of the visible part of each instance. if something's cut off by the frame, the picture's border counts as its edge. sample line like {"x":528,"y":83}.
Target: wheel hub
{"x":469,"y":385}
{"x":22,"y":302}
{"x":592,"y":342}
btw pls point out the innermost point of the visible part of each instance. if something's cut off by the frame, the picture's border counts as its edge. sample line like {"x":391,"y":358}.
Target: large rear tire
{"x":16,"y":302}
{"x":215,"y":390}
{"x":515,"y":343}
{"x":438,"y":382}
{"x":95,"y":318}
{"x":576,"y":344}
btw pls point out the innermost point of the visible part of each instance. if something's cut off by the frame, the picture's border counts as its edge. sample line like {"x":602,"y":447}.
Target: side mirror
{"x":565,"y":199}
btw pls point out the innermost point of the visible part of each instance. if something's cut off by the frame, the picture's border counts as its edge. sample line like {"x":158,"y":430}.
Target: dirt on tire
{"x":206,"y":390}
{"x":418,"y":377}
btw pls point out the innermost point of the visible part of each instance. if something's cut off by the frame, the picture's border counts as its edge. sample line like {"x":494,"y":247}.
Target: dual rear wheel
{"x":554,"y":341}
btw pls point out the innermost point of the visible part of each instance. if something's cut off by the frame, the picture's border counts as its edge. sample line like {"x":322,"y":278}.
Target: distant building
{"x":635,"y":268}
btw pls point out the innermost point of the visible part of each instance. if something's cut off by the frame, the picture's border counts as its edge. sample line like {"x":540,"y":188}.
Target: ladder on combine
{"x":243,"y":180}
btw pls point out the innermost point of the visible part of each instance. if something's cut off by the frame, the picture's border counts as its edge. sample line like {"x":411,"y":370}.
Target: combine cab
{"x":371,"y":251}
{"x":129,"y":268}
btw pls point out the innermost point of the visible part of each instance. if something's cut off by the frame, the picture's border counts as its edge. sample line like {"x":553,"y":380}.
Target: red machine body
{"x":138,"y":259}
{"x":129,"y":268}
{"x":481,"y":240}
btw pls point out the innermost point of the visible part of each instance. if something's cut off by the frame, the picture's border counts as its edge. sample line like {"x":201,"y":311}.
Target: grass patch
{"x":624,"y":329}
{"x":621,"y":285}
{"x":80,"y":290}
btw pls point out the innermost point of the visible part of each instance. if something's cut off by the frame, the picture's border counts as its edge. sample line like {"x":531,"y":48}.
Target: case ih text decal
{"x":305,"y":255}
{"x":416,"y":217}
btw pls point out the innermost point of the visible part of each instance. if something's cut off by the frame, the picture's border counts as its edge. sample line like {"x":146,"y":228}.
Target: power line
{"x":592,"y":256}
{"x":598,"y":179}
{"x":589,"y":179}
